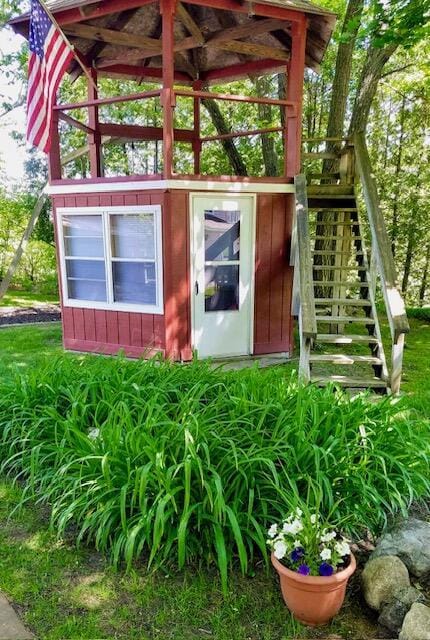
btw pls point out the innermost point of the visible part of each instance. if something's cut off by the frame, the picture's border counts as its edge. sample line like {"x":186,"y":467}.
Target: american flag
{"x":49,"y":59}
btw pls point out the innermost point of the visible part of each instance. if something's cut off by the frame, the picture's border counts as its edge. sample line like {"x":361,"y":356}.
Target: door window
{"x":222,"y":255}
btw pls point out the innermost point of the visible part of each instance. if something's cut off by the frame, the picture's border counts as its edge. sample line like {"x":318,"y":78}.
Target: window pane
{"x":83,"y":226}
{"x":87,"y":269}
{"x":86,"y":280}
{"x":134,"y":282}
{"x":86,"y":290}
{"x":222,"y":288}
{"x":133,"y":236}
{"x":85,"y":247}
{"x":83,"y":237}
{"x":222,"y":235}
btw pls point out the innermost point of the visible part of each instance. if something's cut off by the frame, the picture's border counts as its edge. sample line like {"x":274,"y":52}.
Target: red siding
{"x":273,"y":275}
{"x":103,"y":331}
{"x":144,"y":334}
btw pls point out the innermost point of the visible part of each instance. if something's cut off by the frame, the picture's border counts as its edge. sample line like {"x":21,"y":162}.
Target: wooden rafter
{"x":251,"y":28}
{"x":111,"y":36}
{"x":252,"y":49}
{"x":189,"y":23}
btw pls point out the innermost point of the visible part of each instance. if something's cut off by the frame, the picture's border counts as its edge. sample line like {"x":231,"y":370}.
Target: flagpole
{"x":70,"y":45}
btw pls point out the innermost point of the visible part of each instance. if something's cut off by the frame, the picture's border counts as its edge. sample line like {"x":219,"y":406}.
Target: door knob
{"x":196,"y":288}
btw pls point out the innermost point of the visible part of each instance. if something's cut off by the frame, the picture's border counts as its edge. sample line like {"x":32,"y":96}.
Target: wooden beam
{"x":243,"y":70}
{"x":296,"y":70}
{"x":94,"y":138}
{"x":252,"y":49}
{"x":112,"y":36}
{"x":119,"y":22}
{"x":258,"y":9}
{"x":234,"y":98}
{"x":129,"y":132}
{"x":153,"y":74}
{"x":250,"y":28}
{"x":189,"y":23}
{"x":107,"y":7}
{"x":75,"y":123}
{"x":167,"y":9}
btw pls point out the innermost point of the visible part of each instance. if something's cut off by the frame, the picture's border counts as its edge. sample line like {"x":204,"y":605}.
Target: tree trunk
{"x":236,"y":161}
{"x":408,"y":259}
{"x":4,"y":284}
{"x":376,"y":59}
{"x":270,"y":157}
{"x":423,"y":287}
{"x":342,"y":77}
{"x":395,"y":219}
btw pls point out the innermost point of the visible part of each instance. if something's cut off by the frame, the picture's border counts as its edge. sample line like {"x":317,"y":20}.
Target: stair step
{"x":338,"y":283}
{"x":323,"y":176}
{"x":330,"y":267}
{"x":317,"y":252}
{"x":330,"y":191}
{"x":342,"y":193}
{"x":353,"y":302}
{"x":331,"y":209}
{"x":341,"y":319}
{"x":345,"y":381}
{"x":336,"y":338}
{"x":339,"y":223}
{"x":354,"y":237}
{"x":341,"y":358}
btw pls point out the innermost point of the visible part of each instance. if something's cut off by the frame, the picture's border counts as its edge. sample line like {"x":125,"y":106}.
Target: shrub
{"x":420,"y":313}
{"x":192,"y":464}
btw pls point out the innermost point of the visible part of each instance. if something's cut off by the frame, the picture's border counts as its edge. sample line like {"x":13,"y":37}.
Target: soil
{"x":25,"y":315}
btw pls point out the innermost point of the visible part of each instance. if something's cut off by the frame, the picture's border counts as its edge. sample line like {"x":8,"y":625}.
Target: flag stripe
{"x":49,"y":58}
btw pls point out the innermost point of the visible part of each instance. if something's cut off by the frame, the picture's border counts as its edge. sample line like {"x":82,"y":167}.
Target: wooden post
{"x":167,"y":8}
{"x":296,"y":69}
{"x":197,"y":145}
{"x":54,"y":157}
{"x":94,"y":139}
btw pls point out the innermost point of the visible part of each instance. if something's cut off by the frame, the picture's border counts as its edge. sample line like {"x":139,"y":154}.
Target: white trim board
{"x":164,"y":185}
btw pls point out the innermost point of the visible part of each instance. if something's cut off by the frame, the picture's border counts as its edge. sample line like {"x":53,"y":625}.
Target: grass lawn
{"x":62,"y":592}
{"x":27,"y":299}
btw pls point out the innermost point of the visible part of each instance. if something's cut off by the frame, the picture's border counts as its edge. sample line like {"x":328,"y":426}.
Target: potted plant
{"x":314,"y":563}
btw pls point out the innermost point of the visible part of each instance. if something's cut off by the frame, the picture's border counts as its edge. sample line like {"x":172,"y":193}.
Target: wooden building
{"x":171,"y":263}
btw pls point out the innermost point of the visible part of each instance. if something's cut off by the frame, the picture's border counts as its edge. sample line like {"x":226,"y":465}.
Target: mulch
{"x":26,"y":315}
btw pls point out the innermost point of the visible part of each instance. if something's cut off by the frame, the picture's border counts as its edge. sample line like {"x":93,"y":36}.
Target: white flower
{"x":279,"y":549}
{"x":93,"y":434}
{"x":325,"y":554}
{"x":313,"y":518}
{"x":293,"y":528}
{"x":297,"y":544}
{"x":342,"y":548}
{"x":328,"y":535}
{"x":299,"y":512}
{"x":273,"y":531}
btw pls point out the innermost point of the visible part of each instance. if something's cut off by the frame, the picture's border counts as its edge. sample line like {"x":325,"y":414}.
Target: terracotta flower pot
{"x":313,"y":600}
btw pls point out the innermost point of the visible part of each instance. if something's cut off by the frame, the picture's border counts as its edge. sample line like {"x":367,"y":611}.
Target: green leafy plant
{"x":188,"y":464}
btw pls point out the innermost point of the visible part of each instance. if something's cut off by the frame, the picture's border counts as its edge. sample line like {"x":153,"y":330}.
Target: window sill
{"x":105,"y":306}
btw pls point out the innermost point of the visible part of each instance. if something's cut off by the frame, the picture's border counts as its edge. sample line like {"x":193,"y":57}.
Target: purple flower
{"x":296,"y":554}
{"x":304,"y":570}
{"x":325,"y":569}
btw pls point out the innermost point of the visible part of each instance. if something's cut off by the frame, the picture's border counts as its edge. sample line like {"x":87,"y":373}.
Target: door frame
{"x":232,"y":196}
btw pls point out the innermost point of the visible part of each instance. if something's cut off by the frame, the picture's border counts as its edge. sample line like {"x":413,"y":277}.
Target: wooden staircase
{"x":336,"y":277}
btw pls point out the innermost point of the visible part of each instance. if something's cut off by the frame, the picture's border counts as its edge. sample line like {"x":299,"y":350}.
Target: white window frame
{"x":106,"y":212}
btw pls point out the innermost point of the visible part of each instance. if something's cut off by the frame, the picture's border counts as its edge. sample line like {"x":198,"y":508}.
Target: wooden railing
{"x":303,"y":290}
{"x":100,"y":133}
{"x":383,"y":261}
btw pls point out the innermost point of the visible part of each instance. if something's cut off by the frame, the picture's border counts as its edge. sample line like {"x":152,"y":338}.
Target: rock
{"x":411,"y":543}
{"x":416,"y":625}
{"x":394,"y":612}
{"x":381,"y":578}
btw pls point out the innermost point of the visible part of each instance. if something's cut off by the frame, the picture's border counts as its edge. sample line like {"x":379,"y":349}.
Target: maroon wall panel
{"x":273,"y":275}
{"x":103,"y":331}
{"x":176,"y":276}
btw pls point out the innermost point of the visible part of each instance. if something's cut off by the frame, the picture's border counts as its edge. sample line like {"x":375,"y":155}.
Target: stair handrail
{"x":384,"y":260}
{"x":303,"y":290}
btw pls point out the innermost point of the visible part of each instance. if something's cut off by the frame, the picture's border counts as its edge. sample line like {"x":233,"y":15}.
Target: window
{"x":111,"y":258}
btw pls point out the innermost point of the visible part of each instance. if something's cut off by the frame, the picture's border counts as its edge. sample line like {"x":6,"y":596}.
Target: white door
{"x":222,"y":274}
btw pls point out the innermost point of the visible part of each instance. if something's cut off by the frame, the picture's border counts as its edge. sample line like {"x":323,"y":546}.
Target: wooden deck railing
{"x":303,"y":289}
{"x":383,"y":261}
